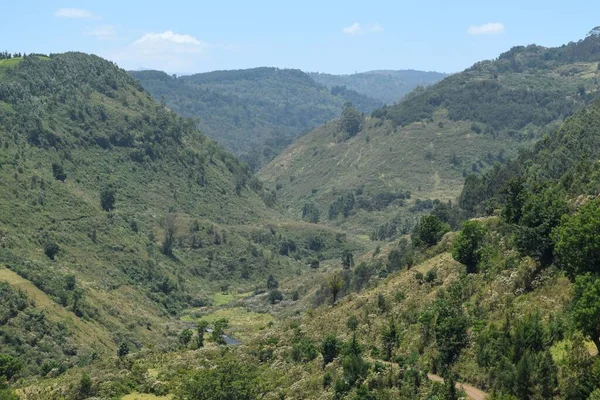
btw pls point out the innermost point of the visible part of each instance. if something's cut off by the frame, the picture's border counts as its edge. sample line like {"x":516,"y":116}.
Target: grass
{"x":145,"y":396}
{"x":243,"y":324}
{"x":221,"y":299}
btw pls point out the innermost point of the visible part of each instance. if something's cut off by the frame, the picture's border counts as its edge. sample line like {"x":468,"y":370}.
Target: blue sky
{"x":326,"y":36}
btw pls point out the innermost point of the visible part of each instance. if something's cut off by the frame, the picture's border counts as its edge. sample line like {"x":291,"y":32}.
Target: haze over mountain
{"x":385,"y":85}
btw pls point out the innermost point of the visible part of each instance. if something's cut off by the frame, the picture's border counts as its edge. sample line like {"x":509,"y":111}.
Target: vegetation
{"x":254,"y":113}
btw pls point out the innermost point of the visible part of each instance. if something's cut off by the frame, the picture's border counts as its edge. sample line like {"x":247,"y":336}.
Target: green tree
{"x":9,"y":366}
{"x":524,"y":383}
{"x":58,"y":172}
{"x":85,"y":386}
{"x":310,"y":213}
{"x":347,"y":259}
{"x":450,"y":392}
{"x":352,"y":323}
{"x":335,"y":284}
{"x":272,"y":283}
{"x":390,"y":337}
{"x":350,"y":121}
{"x":275,"y":296}
{"x":219,"y":330}
{"x":467,"y":247}
{"x":586,"y":307}
{"x":354,"y":366}
{"x":429,"y":230}
{"x":546,"y":376}
{"x":578,"y":241}
{"x":185,"y":337}
{"x":330,"y":348}
{"x":108,"y":198}
{"x":123,"y":350}
{"x":200,"y":329}
{"x":170,"y":224}
{"x":450,"y":331}
{"x":51,"y":249}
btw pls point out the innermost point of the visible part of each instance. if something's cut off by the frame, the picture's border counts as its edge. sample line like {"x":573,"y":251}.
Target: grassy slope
{"x":386,"y":156}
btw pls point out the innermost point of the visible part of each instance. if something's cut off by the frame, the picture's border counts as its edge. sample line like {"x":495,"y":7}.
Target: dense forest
{"x":385,"y":85}
{"x":253,"y":113}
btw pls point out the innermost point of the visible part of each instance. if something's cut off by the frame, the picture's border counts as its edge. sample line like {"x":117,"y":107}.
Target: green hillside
{"x":436,"y":136}
{"x":387,"y":86}
{"x":117,"y":216}
{"x":253,"y":113}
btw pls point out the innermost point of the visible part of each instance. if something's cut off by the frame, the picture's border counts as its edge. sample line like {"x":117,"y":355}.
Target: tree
{"x":219,"y":330}
{"x":430,"y":230}
{"x":51,"y":249}
{"x":9,"y":366}
{"x":85,"y":386}
{"x":546,"y":376}
{"x":390,"y":337}
{"x":275,"y":296}
{"x":185,"y":337}
{"x":347,"y":259}
{"x":524,"y":379}
{"x":123,"y":350}
{"x":335,"y":285}
{"x":329,"y":349}
{"x":352,"y":323}
{"x":58,"y":172}
{"x":272,"y":283}
{"x":450,"y":331}
{"x":467,"y":247}
{"x":586,"y":307}
{"x":170,"y":223}
{"x":450,"y":392}
{"x":310,"y":213}
{"x":200,"y":329}
{"x":108,"y":198}
{"x":578,"y":241}
{"x":350,"y":121}
{"x":354,"y":366}
{"x":315,"y":263}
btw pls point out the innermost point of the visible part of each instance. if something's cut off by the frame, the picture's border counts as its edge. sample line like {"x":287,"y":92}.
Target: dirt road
{"x":472,"y":392}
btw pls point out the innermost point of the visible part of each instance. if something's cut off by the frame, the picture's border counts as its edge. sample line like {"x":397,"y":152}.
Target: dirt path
{"x":472,"y":392}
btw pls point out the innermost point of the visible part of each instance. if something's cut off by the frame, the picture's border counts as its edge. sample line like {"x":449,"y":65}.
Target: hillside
{"x":387,"y":86}
{"x":253,"y":113}
{"x":436,"y":136}
{"x":117,"y":216}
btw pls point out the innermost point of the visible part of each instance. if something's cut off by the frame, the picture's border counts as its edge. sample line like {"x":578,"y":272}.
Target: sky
{"x":330,"y":36}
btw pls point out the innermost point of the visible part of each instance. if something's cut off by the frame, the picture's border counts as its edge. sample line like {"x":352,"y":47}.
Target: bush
{"x":108,"y":198}
{"x":467,"y":247}
{"x":275,"y":296}
{"x":429,"y":230}
{"x":58,"y":172}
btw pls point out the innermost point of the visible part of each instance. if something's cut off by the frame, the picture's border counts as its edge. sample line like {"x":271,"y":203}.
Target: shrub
{"x":58,"y":172}
{"x":108,"y":198}
{"x":275,"y":296}
{"x":51,"y":249}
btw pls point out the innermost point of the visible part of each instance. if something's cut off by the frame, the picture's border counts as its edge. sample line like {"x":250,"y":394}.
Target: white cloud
{"x":73,"y":13}
{"x":357,"y":29}
{"x":354,"y":30}
{"x":377,"y":28}
{"x":167,"y":51}
{"x":104,"y":32}
{"x":486,"y":29}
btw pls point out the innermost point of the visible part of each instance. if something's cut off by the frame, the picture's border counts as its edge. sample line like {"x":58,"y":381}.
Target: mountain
{"x":387,"y":86}
{"x":405,"y":157}
{"x":116,"y":215}
{"x":253,"y":113}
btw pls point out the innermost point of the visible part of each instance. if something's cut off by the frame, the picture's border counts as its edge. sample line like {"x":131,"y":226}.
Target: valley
{"x":267,"y":233}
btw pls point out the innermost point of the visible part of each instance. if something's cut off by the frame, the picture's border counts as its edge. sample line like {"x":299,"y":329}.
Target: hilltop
{"x":405,"y":157}
{"x":388,"y":86}
{"x":253,"y":113}
{"x":117,"y":215}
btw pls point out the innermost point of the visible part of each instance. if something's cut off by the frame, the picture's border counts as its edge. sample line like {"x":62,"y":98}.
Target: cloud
{"x":377,"y":28}
{"x":104,"y":32}
{"x":73,"y":13}
{"x":167,"y":51}
{"x":486,"y":29}
{"x":357,"y":29}
{"x":354,"y":30}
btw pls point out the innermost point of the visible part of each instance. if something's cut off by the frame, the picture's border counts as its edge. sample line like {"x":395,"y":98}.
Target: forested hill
{"x":387,"y":86}
{"x":356,"y":172}
{"x":116,"y":214}
{"x":256,"y":112}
